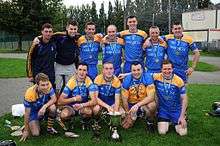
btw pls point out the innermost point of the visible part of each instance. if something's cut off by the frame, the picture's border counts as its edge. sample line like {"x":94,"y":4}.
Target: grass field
{"x":205,"y":67}
{"x":14,"y":68}
{"x":202,"y":130}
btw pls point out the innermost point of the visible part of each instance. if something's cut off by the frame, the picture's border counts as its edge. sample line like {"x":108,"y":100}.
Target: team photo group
{"x":113,"y":79}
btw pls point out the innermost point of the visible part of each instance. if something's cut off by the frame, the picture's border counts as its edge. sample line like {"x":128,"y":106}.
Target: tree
{"x":94,"y":15}
{"x":110,"y":14}
{"x":24,"y":17}
{"x":118,"y":14}
{"x":102,"y":19}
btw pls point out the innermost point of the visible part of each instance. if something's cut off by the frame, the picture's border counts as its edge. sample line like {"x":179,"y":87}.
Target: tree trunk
{"x":19,"y":48}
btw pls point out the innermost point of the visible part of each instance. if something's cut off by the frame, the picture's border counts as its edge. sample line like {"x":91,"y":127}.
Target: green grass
{"x":12,"y":68}
{"x":15,"y":68}
{"x":202,"y":130}
{"x":210,"y":53}
{"x":205,"y":67}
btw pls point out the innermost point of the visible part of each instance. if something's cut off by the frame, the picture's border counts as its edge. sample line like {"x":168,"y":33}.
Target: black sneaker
{"x":150,"y":127}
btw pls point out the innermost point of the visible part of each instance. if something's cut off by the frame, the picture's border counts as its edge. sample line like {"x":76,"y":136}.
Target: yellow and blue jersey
{"x":34,"y":100}
{"x":178,"y":50}
{"x":133,"y":45}
{"x":154,"y":57}
{"x":137,"y":89}
{"x":169,"y":93}
{"x":112,"y":52}
{"x":89,"y":50}
{"x":73,"y":88}
{"x":107,"y":91}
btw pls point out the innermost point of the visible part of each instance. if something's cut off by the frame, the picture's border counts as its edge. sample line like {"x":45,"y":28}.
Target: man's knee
{"x":181,"y":131}
{"x":86,"y":112}
{"x":163,"y":127}
{"x":162,"y":131}
{"x":96,"y":109}
{"x":65,"y":114}
{"x":52,"y":111}
{"x":35,"y":133}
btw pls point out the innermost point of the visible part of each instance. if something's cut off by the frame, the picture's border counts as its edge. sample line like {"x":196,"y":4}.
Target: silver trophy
{"x":115,"y":120}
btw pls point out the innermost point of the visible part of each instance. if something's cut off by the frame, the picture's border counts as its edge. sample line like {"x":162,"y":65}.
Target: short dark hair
{"x":89,"y":23}
{"x":83,"y":64}
{"x":134,"y":63}
{"x":107,"y":62}
{"x":41,"y":77}
{"x":153,"y":27}
{"x":46,"y":25}
{"x":130,"y":17}
{"x":72,"y":22}
{"x":176,"y":23}
{"x":166,"y":61}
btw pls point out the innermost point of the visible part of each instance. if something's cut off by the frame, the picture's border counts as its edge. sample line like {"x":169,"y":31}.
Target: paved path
{"x":12,"y":90}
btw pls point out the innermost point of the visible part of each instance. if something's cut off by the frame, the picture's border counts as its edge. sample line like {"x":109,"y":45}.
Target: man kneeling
{"x":109,"y":95}
{"x":172,"y":100}
{"x":138,"y":96}
{"x":79,"y":95}
{"x":39,"y":99}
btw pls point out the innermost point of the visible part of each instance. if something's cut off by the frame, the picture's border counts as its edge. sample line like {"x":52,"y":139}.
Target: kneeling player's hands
{"x":110,"y":109}
{"x":25,"y":135}
{"x":77,"y":106}
{"x":78,"y":98}
{"x":42,"y":111}
{"x":182,"y":122}
{"x":134,"y":109}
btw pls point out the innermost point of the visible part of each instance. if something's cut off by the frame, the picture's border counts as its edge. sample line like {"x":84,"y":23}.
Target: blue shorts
{"x":92,"y":71}
{"x":181,"y":73}
{"x":34,"y":116}
{"x":172,"y":116}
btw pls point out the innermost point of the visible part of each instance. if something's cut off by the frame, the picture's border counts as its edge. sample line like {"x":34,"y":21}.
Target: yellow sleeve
{"x":150,"y":90}
{"x":29,"y":61}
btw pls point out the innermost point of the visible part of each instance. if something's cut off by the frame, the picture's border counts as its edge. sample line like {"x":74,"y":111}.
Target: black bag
{"x":216,"y":109}
{"x":7,"y":143}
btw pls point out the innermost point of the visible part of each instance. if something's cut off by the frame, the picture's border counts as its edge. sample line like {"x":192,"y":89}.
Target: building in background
{"x":204,"y":27}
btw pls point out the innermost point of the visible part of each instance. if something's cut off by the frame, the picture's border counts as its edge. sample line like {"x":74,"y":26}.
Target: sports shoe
{"x":51,"y":131}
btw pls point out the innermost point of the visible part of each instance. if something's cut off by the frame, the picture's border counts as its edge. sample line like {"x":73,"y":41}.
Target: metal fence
{"x":13,"y":45}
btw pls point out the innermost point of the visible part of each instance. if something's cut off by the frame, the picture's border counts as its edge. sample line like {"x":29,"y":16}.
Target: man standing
{"x":138,"y":96}
{"x":79,"y":95}
{"x":178,"y":49}
{"x":155,"y":53}
{"x":172,"y":100}
{"x":67,"y":57}
{"x":89,"y":46}
{"x":112,"y":49}
{"x":134,"y":39}
{"x":41,"y":56}
{"x":39,"y":99}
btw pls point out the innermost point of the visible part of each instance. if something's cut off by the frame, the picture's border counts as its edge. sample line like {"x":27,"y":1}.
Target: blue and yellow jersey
{"x":107,"y":91}
{"x":112,"y":52}
{"x":133,"y":45}
{"x":155,"y":55}
{"x":89,"y":50}
{"x":73,"y":88}
{"x":137,"y":89}
{"x":178,"y":50}
{"x":34,"y":100}
{"x":169,"y":93}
